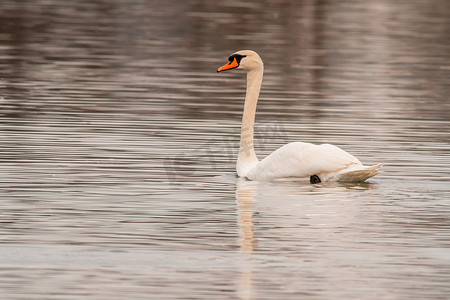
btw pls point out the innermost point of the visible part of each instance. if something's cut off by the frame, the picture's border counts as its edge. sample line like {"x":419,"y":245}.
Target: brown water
{"x":118,"y":144}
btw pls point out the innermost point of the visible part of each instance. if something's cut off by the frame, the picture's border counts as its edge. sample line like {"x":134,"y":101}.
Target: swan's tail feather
{"x":359,"y":175}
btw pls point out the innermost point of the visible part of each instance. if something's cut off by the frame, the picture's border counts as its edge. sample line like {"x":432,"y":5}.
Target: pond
{"x":118,"y":144}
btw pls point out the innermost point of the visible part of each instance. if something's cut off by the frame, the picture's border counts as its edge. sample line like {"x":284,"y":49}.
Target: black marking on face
{"x":314,"y":179}
{"x":237,"y":56}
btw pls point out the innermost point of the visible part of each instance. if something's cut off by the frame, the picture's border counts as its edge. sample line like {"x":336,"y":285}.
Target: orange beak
{"x":230,"y":65}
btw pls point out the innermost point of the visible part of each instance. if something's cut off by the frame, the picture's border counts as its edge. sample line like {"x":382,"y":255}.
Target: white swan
{"x":294,"y":160}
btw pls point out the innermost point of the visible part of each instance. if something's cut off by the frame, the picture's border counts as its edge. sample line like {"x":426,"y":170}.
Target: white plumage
{"x":300,"y":160}
{"x":293,"y":160}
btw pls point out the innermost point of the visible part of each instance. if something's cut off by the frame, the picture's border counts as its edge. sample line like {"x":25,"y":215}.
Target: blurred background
{"x":118,"y":142}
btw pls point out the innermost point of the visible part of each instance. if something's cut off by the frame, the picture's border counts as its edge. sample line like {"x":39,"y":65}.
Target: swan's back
{"x":302,"y":160}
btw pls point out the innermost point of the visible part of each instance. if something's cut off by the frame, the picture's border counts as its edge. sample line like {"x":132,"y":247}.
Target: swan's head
{"x":245,"y":60}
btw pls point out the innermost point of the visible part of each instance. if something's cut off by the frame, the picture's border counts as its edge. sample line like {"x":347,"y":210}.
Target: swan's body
{"x":294,"y":160}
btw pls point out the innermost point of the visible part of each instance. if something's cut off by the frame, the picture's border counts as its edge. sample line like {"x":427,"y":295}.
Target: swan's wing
{"x":302,"y":160}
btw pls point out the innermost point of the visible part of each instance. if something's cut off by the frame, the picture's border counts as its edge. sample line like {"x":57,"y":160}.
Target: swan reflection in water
{"x":249,"y":193}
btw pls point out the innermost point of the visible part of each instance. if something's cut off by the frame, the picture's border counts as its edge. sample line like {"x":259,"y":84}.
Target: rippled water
{"x":118,"y":144}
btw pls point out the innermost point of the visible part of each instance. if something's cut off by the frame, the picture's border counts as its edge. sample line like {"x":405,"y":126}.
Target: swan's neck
{"x":247,"y":157}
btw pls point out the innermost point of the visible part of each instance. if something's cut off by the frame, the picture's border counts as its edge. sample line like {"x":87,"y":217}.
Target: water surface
{"x":118,"y":144}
